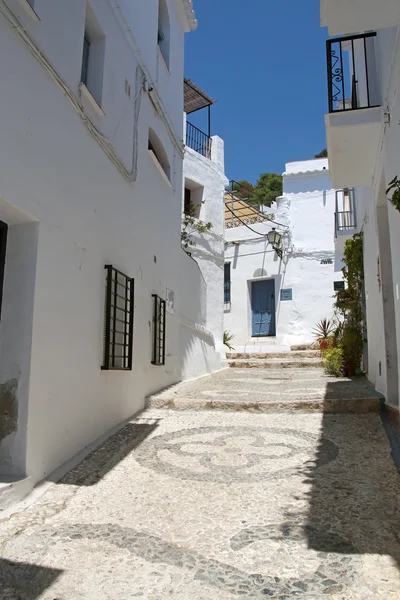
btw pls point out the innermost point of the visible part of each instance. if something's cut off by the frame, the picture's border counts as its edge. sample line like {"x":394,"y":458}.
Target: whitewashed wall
{"x":381,"y":225}
{"x":307,"y":212}
{"x":208,"y":247}
{"x":70,"y":212}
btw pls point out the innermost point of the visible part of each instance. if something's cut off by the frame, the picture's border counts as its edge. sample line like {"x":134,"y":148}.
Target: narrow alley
{"x":212,"y":504}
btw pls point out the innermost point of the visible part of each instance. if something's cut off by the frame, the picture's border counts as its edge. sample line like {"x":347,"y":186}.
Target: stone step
{"x":327,"y":405}
{"x":275,"y":363}
{"x":268,"y":355}
{"x":303,"y":347}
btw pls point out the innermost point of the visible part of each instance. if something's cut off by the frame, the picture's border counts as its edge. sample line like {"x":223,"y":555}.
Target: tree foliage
{"x":267,"y":189}
{"x":243,"y":188}
{"x":322,"y":154}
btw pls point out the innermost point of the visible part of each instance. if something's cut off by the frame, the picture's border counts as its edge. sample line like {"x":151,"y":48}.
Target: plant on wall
{"x":394,"y":186}
{"x":349,"y":305}
{"x":191,"y":224}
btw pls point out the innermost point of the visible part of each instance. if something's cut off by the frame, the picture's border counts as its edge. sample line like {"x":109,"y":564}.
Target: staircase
{"x":295,"y":359}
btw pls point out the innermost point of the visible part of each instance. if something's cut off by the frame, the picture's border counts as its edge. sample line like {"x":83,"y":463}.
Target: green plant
{"x":322,"y":154}
{"x":323,"y":330}
{"x":191,"y":224}
{"x":332,"y":360}
{"x":394,"y":185}
{"x":228,"y":337}
{"x":349,"y":306}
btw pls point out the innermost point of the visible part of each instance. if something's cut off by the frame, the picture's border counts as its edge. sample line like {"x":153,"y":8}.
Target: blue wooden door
{"x":263,"y":307}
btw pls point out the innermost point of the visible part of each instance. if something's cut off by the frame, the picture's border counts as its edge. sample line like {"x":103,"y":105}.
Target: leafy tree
{"x":243,"y":188}
{"x":322,"y":154}
{"x":267,"y":189}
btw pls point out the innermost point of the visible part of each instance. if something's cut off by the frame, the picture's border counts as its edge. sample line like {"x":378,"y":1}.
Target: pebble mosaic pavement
{"x":212,"y":506}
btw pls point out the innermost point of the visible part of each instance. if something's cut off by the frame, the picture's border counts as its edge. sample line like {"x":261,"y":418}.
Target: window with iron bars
{"x":118,"y":321}
{"x":227,"y":283}
{"x":158,"y":357}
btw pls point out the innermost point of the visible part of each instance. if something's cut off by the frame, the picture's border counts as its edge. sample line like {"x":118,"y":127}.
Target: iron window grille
{"x":118,"y":324}
{"x":227,"y":283}
{"x":3,"y":245}
{"x":351,"y":70}
{"x":158,"y":331}
{"x":85,"y":60}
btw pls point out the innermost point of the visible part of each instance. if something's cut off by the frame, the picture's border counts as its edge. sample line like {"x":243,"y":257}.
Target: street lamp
{"x":275,"y":238}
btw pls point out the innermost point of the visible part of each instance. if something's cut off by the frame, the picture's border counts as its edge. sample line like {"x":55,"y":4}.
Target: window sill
{"x":85,"y":93}
{"x":159,"y":168}
{"x":161,"y":55}
{"x":29,"y":10}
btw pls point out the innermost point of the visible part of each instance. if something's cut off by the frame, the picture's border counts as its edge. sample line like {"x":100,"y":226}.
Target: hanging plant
{"x":394,"y":185}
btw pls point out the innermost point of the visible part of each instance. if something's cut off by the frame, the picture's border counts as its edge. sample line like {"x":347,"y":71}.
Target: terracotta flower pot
{"x":323,"y":344}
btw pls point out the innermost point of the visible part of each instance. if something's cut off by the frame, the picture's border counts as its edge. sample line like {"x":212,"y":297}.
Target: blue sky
{"x":264,"y":61}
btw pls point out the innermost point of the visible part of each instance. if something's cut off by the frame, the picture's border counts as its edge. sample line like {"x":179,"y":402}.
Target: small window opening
{"x":93,"y":55}
{"x":227,"y":283}
{"x":158,"y":331}
{"x":163,"y":32}
{"x":3,"y":246}
{"x":156,"y":148}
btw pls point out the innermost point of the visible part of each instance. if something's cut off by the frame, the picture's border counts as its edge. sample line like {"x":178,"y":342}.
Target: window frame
{"x":3,"y":252}
{"x":113,"y":277}
{"x":159,"y":336}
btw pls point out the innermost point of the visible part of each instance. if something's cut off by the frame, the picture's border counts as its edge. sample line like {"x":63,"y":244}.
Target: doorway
{"x":263,"y":308}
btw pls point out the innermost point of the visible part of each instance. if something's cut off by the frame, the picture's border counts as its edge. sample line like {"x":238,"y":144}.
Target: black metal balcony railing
{"x":345,"y":220}
{"x":351,"y":70}
{"x":198,"y":140}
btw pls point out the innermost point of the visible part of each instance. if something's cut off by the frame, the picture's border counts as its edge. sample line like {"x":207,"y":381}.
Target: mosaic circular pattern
{"x":234,"y":454}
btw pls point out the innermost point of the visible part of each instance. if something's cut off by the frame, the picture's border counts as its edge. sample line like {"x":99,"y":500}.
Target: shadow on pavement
{"x":354,"y":501}
{"x":102,"y":460}
{"x":24,"y":580}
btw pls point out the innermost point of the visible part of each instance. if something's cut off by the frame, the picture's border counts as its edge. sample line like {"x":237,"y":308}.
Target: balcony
{"x":345,"y":212}
{"x":198,"y":141}
{"x":355,"y":115}
{"x":343,"y":17}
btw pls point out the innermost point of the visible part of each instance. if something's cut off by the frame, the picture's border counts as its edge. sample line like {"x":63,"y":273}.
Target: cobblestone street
{"x":214,"y":505}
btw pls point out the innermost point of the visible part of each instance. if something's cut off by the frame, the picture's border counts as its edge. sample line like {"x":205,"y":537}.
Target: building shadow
{"x":107,"y":456}
{"x":25,"y":581}
{"x":354,"y":494}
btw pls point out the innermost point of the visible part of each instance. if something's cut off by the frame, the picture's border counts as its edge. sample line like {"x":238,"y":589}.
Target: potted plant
{"x":323,"y":333}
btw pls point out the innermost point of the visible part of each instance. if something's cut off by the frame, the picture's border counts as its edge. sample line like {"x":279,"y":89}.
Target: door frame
{"x":250,"y":311}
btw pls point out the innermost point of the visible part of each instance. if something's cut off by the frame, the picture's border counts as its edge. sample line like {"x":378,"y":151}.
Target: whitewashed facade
{"x":364,"y":148}
{"x":91,"y":174}
{"x":204,"y":179}
{"x":308,"y":218}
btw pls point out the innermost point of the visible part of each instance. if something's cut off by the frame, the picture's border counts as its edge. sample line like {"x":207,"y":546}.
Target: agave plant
{"x":323,"y":331}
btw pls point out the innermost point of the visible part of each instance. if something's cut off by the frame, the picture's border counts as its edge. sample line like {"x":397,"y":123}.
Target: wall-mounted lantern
{"x":275,"y":238}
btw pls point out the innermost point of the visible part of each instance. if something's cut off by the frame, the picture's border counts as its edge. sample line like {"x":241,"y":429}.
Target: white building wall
{"x":382,"y":223}
{"x":70,"y":212}
{"x":208,"y":247}
{"x":305,"y":215}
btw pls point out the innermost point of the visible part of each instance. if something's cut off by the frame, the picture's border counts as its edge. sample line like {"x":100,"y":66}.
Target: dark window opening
{"x":227,"y":283}
{"x":188,"y":202}
{"x":118,"y":325}
{"x":85,"y":60}
{"x":158,"y":331}
{"x":338,"y":286}
{"x":3,"y":246}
